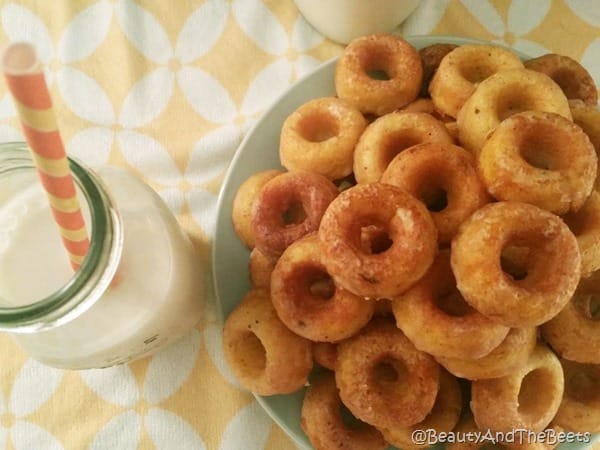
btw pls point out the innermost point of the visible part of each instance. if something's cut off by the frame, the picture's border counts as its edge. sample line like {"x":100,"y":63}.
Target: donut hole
{"x":388,"y":373}
{"x":533,"y":397}
{"x":583,"y":386}
{"x":318,"y":126}
{"x":588,"y":305}
{"x":374,"y":239}
{"x":294,"y":214}
{"x":540,"y":149}
{"x":514,"y":261}
{"x":452,"y":303}
{"x":251,"y":353}
{"x":377,"y":64}
{"x":434,"y":197}
{"x":321,"y":286}
{"x":513,"y":100}
{"x":397,"y":141}
{"x":476,"y":73}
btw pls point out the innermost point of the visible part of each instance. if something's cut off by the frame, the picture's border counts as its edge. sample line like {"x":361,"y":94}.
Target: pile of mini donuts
{"x":433,"y":245}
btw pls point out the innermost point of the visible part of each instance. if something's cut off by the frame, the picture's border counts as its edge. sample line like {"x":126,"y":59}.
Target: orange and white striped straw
{"x":26,"y":82}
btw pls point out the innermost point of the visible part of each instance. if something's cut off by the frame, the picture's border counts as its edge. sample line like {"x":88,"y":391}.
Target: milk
{"x":156,"y":299}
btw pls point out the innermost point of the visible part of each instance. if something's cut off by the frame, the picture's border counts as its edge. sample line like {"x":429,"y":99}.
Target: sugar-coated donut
{"x":396,"y":256}
{"x":378,"y":73}
{"x":263,"y":354}
{"x":513,"y":352}
{"x":322,"y":421}
{"x":442,"y":418}
{"x":320,"y":137}
{"x":502,"y":95}
{"x":462,"y":69}
{"x":585,"y":225}
{"x":431,"y":57}
{"x":260,"y":267}
{"x":288,"y":207}
{"x":579,"y":410}
{"x":575,"y":81}
{"x":552,"y":263}
{"x":308,"y":302}
{"x":588,"y":118}
{"x":539,"y":158}
{"x":387,"y":136}
{"x":575,"y":332}
{"x":241,"y":213}
{"x":527,"y":398}
{"x":444,"y":177}
{"x":325,"y":354}
{"x":454,"y":329}
{"x":383,"y":379}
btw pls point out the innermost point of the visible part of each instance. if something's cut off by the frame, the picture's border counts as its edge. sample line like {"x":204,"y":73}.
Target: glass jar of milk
{"x":139,"y":287}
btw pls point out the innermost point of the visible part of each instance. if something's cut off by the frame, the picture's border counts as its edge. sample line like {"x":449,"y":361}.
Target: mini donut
{"x":579,"y":410}
{"x":539,"y":158}
{"x":442,"y":418}
{"x":320,"y":137}
{"x":575,"y":332}
{"x":462,"y":69}
{"x":325,"y":354}
{"x":378,"y":73}
{"x":431,"y":57}
{"x":260,"y":267}
{"x":588,"y":118}
{"x":405,"y":249}
{"x":585,"y":225}
{"x":575,"y":81}
{"x":527,"y":398}
{"x":323,"y":423}
{"x":512,"y":353}
{"x":383,"y":379}
{"x":263,"y":354}
{"x":500,"y":96}
{"x":454,"y":329}
{"x":387,"y":136}
{"x":552,"y":265}
{"x":308,"y":302}
{"x":288,"y":207}
{"x":241,"y":213}
{"x":444,"y":177}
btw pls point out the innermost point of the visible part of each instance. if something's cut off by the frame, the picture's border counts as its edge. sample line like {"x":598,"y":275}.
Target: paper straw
{"x":26,"y":82}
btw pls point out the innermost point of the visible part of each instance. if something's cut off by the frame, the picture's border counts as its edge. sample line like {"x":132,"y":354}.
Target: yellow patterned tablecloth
{"x":168,"y":89}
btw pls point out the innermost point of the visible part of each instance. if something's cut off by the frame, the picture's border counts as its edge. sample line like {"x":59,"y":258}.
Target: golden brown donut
{"x":442,"y":418}
{"x":288,"y":207}
{"x":461,"y":70}
{"x":575,"y":81}
{"x":389,"y":135}
{"x":585,"y":225}
{"x":575,"y":332}
{"x":241,"y":213}
{"x":539,"y":158}
{"x":260,"y":267}
{"x":454,"y":329}
{"x":527,"y":398}
{"x":512,"y":353}
{"x":588,"y":118}
{"x":322,"y":421}
{"x":431,"y":56}
{"x":320,"y":137}
{"x":502,"y":95}
{"x":405,"y":249}
{"x":444,"y":177}
{"x":262,"y":353}
{"x":308,"y":302}
{"x":325,"y":354}
{"x":378,"y":73}
{"x":579,"y":410}
{"x":383,"y":379}
{"x":552,"y":266}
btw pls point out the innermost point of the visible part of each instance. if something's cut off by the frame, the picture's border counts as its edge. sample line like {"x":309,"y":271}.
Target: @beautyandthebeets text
{"x":518,"y":436}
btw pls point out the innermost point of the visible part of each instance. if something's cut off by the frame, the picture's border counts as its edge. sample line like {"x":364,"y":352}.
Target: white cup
{"x":344,"y":20}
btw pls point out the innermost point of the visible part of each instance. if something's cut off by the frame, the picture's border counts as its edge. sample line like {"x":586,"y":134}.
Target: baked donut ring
{"x":406,"y":245}
{"x":320,"y":137}
{"x":288,"y":207}
{"x":383,"y":379}
{"x":512,"y":353}
{"x":260,"y":268}
{"x":325,"y":354}
{"x":575,"y":81}
{"x":387,"y":136}
{"x":539,"y":158}
{"x":454,"y":329}
{"x":378,"y":73}
{"x":500,"y":96}
{"x":321,"y":420}
{"x":444,"y":177}
{"x":551,"y":266}
{"x":308,"y":302}
{"x":585,"y":225}
{"x":431,"y":57}
{"x":442,"y":418}
{"x":588,"y":118}
{"x":575,"y":332}
{"x":461,"y":70}
{"x":579,"y":410}
{"x":265,"y":356}
{"x":527,"y":398}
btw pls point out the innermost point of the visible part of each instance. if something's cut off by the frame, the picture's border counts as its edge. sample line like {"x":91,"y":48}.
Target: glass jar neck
{"x":94,"y":276}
